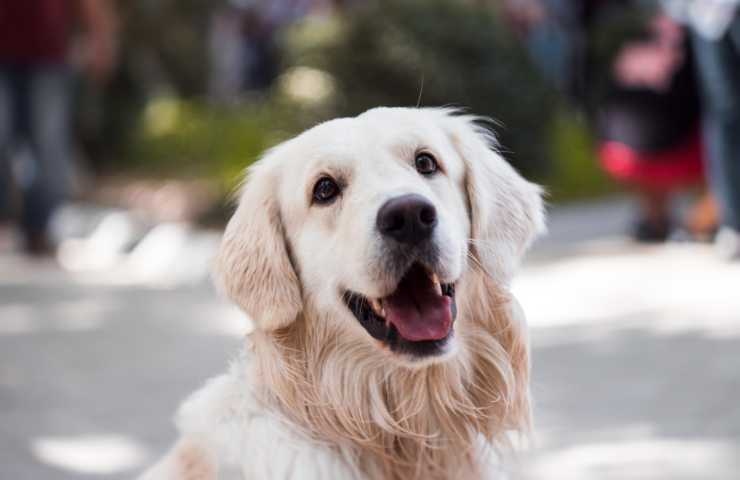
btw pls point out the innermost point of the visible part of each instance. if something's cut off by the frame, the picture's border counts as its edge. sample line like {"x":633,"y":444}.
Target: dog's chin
{"x":415,"y":322}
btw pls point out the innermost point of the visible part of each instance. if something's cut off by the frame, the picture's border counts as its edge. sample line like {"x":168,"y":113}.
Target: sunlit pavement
{"x":90,"y":372}
{"x":636,"y":354}
{"x":636,"y":363}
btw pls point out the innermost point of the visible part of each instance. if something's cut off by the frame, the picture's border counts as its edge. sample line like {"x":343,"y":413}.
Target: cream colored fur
{"x":314,"y":396}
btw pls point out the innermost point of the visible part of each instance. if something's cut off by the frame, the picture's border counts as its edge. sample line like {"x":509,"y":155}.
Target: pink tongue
{"x":416,"y":309}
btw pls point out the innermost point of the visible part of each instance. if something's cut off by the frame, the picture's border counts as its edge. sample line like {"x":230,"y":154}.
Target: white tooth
{"x":437,"y":285}
{"x":377,"y":307}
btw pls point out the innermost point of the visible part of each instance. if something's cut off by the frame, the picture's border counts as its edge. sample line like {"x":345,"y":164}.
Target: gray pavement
{"x":90,"y":373}
{"x":636,"y":364}
{"x":636,"y":354}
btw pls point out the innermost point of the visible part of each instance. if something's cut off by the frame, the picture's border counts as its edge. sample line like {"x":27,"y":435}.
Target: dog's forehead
{"x":362,"y":141}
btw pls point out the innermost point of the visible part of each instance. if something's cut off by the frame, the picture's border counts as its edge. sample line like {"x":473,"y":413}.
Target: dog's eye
{"x":325,"y":190}
{"x":426,"y":164}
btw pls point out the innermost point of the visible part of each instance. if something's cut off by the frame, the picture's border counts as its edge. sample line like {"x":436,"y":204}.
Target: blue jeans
{"x":35,"y":106}
{"x":718,"y":65}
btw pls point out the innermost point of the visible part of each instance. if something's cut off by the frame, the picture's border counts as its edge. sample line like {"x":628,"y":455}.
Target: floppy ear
{"x":253,"y":266}
{"x":506,"y":211}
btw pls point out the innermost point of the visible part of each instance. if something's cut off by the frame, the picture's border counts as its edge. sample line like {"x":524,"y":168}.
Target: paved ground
{"x":636,"y":364}
{"x":636,"y":355}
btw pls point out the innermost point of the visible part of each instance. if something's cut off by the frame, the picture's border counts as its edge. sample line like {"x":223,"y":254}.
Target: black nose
{"x":407,"y":219}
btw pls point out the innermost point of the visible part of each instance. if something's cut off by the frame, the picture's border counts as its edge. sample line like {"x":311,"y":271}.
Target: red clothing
{"x":35,"y":31}
{"x":667,"y":170}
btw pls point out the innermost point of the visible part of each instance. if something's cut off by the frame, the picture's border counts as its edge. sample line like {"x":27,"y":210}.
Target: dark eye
{"x":325,"y":190}
{"x":426,"y":164}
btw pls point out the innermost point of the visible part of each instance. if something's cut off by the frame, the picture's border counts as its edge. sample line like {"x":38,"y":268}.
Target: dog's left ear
{"x":506,"y":211}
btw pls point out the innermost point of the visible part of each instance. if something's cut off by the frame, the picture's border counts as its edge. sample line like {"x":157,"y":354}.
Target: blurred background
{"x":125,"y":126}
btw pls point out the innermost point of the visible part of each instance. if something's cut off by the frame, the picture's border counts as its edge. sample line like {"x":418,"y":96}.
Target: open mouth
{"x":417,"y":318}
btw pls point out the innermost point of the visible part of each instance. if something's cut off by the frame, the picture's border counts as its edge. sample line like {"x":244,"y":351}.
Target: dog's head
{"x":373,"y":223}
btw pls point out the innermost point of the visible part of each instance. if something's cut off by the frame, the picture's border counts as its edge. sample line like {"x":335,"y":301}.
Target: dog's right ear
{"x":506,"y":211}
{"x":253,"y":266}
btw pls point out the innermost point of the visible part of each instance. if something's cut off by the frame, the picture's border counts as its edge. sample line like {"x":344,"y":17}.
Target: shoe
{"x":648,"y":231}
{"x":38,"y":244}
{"x":727,"y":243}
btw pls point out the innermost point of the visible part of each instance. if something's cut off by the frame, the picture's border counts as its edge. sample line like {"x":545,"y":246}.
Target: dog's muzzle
{"x":418,"y":315}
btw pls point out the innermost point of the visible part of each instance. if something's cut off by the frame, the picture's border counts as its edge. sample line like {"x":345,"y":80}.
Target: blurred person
{"x":262,"y":24}
{"x":243,"y":49}
{"x":36,"y":101}
{"x":546,"y":26}
{"x":716,"y":38}
{"x":647,"y":124}
{"x":643,"y":99}
{"x":260,"y":53}
{"x":555,"y":33}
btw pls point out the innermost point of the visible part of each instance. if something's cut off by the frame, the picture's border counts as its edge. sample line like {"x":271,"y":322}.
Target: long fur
{"x":399,"y":423}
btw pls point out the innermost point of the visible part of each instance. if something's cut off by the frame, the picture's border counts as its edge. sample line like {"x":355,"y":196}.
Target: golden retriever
{"x":374,"y":256}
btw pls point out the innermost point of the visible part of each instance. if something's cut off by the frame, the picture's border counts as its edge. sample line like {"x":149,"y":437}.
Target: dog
{"x":374,"y":256}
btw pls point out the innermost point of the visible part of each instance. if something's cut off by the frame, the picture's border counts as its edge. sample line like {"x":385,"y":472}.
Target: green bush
{"x":377,"y":54}
{"x":193,"y":139}
{"x":434,"y":52}
{"x":575,"y":173}
{"x":162,"y":48}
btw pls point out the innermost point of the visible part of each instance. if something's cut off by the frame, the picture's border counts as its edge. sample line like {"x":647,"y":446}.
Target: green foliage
{"x":190,"y":139}
{"x":162,"y":48}
{"x":575,"y":171}
{"x":438,"y":52}
{"x":378,"y":54}
{"x":164,"y":43}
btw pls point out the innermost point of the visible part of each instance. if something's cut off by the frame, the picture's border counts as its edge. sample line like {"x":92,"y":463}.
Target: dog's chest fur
{"x":256,"y":442}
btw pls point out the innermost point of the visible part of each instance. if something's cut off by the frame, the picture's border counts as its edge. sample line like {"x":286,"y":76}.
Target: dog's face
{"x":377,"y":220}
{"x":371,"y":223}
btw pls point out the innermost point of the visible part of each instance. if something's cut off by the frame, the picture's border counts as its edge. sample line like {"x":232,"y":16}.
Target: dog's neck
{"x":393,"y":422}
